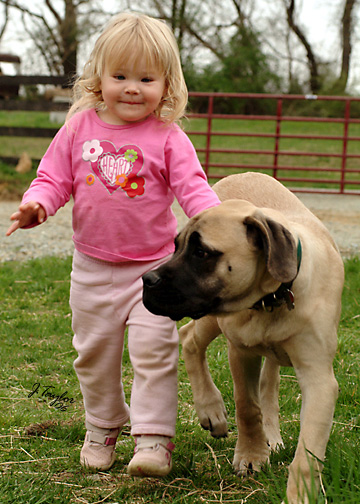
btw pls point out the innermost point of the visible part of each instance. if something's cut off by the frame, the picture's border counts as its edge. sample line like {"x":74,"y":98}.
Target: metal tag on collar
{"x":267,"y":308}
{"x":289,"y":299}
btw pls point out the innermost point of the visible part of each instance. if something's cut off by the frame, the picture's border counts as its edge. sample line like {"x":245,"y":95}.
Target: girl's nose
{"x":132,"y":88}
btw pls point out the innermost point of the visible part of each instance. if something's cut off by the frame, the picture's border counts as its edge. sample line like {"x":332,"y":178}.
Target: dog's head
{"x":226,"y":258}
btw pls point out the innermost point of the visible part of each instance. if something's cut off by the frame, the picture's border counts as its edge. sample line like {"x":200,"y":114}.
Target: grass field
{"x":41,"y":438}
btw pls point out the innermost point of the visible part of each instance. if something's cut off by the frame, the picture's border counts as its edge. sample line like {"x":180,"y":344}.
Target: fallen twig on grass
{"x":31,"y":460}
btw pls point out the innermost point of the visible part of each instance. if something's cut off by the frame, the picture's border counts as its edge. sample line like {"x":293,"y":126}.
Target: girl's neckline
{"x":120,"y":126}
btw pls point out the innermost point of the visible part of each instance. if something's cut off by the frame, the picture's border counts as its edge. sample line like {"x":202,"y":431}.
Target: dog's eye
{"x":200,"y":253}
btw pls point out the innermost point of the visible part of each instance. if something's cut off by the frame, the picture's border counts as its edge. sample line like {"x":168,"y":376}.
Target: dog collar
{"x":283,"y":295}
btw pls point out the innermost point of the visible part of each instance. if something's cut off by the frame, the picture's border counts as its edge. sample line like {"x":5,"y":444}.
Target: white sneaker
{"x":152,"y":456}
{"x":98,"y":451}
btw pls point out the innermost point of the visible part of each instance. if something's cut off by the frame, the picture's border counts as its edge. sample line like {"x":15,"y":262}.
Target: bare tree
{"x":177,"y":19}
{"x":204,"y":31}
{"x":57,"y":44}
{"x":315,"y":83}
{"x":6,"y":18}
{"x":346,"y":35}
{"x":346,"y":28}
{"x":56,"y":28}
{"x":209,"y":24}
{"x":186,"y":18}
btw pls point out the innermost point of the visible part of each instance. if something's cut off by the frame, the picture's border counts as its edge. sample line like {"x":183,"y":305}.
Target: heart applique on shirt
{"x":116,"y":168}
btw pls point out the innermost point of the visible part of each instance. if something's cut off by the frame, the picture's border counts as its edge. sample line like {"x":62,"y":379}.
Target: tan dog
{"x":263,"y":270}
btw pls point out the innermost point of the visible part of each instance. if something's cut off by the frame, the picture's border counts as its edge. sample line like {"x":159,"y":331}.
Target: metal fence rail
{"x":339,"y":174}
{"x":254,"y":140}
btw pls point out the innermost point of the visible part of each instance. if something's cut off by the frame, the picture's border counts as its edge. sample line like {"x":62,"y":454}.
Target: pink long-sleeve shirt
{"x":123,"y":180}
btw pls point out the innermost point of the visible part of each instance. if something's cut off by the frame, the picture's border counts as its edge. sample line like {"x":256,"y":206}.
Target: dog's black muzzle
{"x":161,"y":297}
{"x":172,"y":295}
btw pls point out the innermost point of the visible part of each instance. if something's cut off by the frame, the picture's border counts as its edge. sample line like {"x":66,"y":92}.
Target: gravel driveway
{"x":340,"y":214}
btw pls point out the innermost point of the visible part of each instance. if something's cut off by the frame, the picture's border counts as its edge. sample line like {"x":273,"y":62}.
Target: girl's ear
{"x":165,"y":92}
{"x":164,"y":96}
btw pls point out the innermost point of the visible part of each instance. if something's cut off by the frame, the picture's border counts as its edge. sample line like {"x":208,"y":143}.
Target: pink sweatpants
{"x":105,"y":298}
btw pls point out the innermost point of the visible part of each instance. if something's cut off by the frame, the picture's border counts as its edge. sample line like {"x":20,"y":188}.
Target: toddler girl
{"x":122,"y":158}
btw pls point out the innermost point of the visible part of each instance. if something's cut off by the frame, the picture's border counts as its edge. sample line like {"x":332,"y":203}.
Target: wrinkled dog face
{"x":184,"y":286}
{"x":216,"y":265}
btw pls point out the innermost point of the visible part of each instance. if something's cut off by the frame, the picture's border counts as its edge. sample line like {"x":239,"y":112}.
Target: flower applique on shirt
{"x":115,"y":168}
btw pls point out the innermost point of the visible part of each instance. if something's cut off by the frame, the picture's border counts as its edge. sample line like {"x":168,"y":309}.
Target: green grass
{"x":15,"y":146}
{"x":13,"y":184}
{"x":26,"y":119}
{"x":40,"y":444}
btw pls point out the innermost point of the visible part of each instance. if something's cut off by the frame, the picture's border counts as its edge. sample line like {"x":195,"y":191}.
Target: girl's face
{"x":131,"y":93}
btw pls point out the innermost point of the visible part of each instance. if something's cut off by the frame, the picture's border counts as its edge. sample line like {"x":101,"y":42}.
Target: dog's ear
{"x":278,"y":244}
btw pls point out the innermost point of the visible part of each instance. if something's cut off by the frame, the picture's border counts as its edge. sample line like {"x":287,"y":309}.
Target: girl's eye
{"x":119,"y":77}
{"x":146,"y":79}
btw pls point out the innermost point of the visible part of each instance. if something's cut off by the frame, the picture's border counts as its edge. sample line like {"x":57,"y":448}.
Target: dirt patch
{"x":341,"y":215}
{"x":8,"y":193}
{"x":347,"y":219}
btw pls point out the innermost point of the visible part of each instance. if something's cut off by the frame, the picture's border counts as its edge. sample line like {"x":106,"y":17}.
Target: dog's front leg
{"x":319,"y":393}
{"x":269,"y":400}
{"x":252,"y":450}
{"x":195,"y":338}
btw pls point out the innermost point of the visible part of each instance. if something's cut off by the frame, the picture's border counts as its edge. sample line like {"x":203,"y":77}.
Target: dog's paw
{"x":273,"y":436}
{"x":246,"y":463}
{"x":214,"y":420}
{"x":218,"y":430}
{"x":211,"y":412}
{"x":276,"y":445}
{"x":245,"y":468}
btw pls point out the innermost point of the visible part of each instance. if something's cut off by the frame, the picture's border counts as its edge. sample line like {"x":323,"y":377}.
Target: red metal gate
{"x":322,"y":159}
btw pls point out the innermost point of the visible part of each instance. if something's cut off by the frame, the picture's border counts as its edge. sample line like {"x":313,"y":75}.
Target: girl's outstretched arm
{"x":30,"y":213}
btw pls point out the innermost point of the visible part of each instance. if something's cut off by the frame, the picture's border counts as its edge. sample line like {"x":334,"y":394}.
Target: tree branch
{"x":313,"y":67}
{"x":6,"y":15}
{"x":54,"y":12}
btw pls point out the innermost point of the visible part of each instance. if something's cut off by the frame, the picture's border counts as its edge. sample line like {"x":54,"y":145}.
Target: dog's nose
{"x":151,"y":279}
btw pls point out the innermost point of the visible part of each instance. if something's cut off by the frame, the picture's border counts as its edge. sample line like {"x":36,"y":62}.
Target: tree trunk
{"x":69,"y":37}
{"x":312,"y":63}
{"x":346,"y":45}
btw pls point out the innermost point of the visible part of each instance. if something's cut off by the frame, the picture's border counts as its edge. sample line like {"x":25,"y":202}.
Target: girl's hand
{"x":30,"y":213}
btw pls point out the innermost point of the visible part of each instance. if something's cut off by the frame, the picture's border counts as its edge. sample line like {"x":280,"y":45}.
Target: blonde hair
{"x":136,"y":36}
